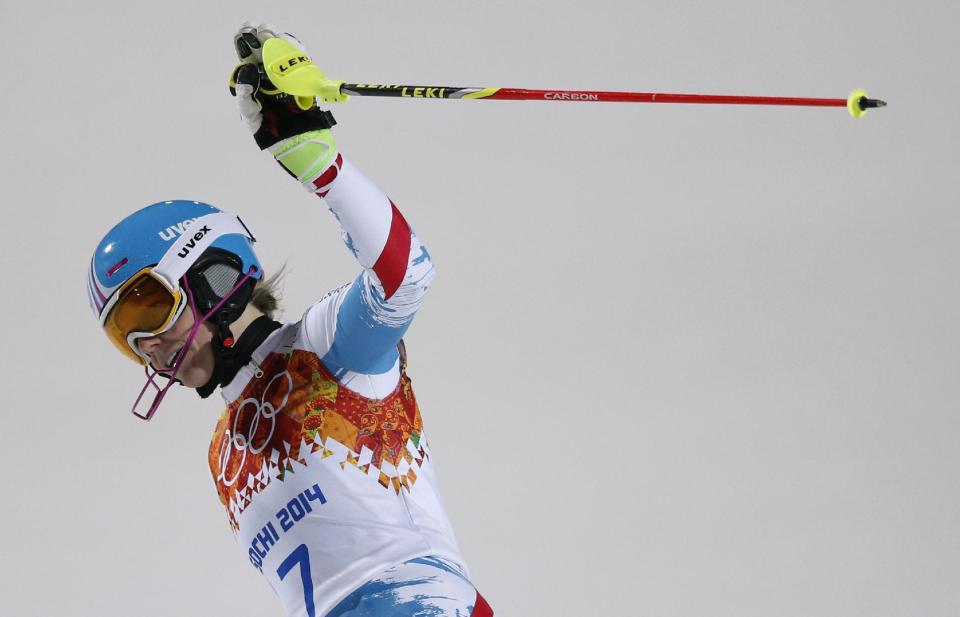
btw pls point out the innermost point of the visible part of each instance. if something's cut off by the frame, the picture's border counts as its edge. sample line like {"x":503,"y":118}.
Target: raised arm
{"x":356,"y":328}
{"x":376,"y":309}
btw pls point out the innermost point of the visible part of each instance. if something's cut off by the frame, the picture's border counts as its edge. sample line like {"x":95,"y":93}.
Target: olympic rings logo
{"x":237,"y":442}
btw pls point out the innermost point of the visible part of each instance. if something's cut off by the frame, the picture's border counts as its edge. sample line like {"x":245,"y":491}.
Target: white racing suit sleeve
{"x":357,"y":327}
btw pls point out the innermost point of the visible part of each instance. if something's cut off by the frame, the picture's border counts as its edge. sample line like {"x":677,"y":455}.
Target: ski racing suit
{"x":320,"y":458}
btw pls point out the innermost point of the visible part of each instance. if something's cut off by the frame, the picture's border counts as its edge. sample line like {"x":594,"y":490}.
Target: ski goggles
{"x":146,"y":306}
{"x":151,"y":301}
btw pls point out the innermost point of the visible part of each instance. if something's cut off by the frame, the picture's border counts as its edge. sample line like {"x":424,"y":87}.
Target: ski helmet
{"x":134,"y":283}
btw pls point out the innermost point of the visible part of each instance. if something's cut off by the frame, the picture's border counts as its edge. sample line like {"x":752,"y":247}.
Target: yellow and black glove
{"x":271,"y":115}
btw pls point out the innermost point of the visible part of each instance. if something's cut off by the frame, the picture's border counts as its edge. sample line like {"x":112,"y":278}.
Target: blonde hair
{"x":267,"y":293}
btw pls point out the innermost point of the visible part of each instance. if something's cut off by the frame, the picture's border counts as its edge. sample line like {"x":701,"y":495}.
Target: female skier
{"x":319,"y":458}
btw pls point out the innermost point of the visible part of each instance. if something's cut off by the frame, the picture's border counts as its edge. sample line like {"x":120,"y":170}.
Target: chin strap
{"x":230,"y":356}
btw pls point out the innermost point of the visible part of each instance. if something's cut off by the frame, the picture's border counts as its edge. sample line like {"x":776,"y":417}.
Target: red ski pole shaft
{"x":857,"y":103}
{"x":519,"y":94}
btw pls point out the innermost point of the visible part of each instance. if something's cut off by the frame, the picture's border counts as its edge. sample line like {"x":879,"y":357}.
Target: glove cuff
{"x":279,"y":125}
{"x":307,"y":155}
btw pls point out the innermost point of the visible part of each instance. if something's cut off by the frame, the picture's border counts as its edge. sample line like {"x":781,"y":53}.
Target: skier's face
{"x":197,"y":365}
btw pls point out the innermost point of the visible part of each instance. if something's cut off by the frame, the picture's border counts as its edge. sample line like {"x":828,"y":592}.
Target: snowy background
{"x":678,"y":360}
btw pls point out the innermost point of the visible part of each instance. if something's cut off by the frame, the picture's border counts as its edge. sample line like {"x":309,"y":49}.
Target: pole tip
{"x":866,"y":103}
{"x":858,"y":103}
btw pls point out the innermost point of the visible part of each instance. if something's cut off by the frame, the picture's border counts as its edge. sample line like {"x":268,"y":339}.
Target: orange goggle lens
{"x":144,"y":305}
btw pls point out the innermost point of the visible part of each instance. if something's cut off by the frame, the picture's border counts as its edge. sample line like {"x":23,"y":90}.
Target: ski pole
{"x":292,"y":71}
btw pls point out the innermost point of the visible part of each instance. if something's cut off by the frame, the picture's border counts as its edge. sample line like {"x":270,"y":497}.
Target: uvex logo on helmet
{"x":173,"y":231}
{"x":193,"y":241}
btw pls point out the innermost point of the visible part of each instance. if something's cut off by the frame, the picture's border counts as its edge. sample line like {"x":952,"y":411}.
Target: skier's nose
{"x":149,"y":345}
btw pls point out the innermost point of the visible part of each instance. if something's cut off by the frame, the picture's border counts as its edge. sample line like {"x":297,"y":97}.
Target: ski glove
{"x":271,"y":115}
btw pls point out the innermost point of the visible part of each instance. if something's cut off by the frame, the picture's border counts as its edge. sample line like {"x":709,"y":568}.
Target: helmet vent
{"x":221,"y":278}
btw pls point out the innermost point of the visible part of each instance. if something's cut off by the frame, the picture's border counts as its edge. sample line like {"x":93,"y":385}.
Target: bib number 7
{"x":300,"y":557}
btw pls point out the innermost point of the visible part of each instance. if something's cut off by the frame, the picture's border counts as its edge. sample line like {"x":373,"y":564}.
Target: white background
{"x":678,"y":360}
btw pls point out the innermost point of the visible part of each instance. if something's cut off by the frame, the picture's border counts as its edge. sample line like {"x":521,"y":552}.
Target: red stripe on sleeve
{"x":481,"y":608}
{"x":329,"y":175}
{"x":391,"y":266}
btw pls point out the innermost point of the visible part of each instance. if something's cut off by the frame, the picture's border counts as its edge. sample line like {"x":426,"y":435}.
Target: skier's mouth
{"x":173,"y":357}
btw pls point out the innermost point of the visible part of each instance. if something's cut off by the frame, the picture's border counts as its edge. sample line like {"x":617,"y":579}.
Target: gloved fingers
{"x":251,"y":37}
{"x":249,"y":41}
{"x":264,"y":32}
{"x":247,"y":74}
{"x":250,"y":109}
{"x":247,"y":44}
{"x":245,"y":83}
